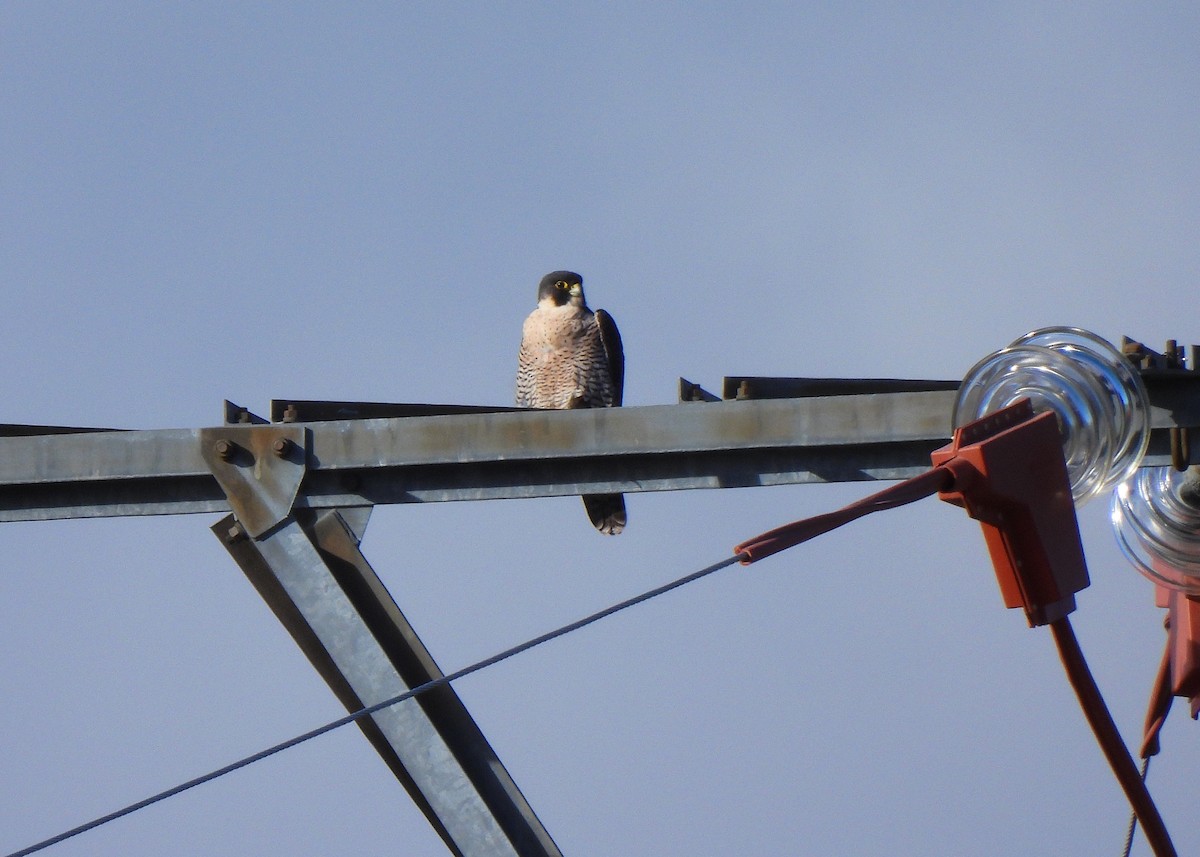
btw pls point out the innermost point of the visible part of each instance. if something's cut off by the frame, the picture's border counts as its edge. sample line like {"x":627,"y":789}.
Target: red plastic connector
{"x":1009,"y":474}
{"x":1183,"y":644}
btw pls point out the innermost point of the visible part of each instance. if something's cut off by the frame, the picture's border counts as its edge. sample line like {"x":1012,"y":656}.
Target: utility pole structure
{"x":297,"y":492}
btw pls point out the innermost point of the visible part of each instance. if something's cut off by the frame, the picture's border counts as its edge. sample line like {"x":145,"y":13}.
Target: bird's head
{"x":560,"y":288}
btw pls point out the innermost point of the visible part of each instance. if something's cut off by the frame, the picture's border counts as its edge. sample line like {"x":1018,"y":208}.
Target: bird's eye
{"x":561,"y":284}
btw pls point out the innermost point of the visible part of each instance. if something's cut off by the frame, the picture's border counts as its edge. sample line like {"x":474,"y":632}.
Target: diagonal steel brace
{"x":309,"y":569}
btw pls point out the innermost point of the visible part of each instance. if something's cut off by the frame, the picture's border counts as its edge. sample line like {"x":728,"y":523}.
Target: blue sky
{"x":356,"y":202}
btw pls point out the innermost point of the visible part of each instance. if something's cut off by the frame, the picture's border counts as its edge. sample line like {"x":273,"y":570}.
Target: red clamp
{"x":1009,"y":474}
{"x":1179,"y":673}
{"x":1183,"y":643}
{"x":1007,"y":471}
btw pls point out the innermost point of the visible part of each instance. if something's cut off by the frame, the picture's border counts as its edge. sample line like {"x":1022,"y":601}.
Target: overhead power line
{"x":372,"y":709}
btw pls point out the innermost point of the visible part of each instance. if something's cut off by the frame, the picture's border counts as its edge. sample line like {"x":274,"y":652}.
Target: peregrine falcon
{"x":572,"y":358}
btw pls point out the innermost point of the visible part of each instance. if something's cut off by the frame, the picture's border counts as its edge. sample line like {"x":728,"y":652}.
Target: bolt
{"x":224,"y":449}
{"x":282,"y":446}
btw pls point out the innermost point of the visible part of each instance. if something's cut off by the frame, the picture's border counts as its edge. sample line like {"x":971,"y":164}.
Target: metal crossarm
{"x":491,"y":455}
{"x":494,"y":455}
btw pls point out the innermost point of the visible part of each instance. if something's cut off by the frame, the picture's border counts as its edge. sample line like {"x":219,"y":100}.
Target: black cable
{"x":369,"y":710}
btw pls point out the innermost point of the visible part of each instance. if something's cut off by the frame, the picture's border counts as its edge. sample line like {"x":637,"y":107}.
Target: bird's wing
{"x":610,"y":338}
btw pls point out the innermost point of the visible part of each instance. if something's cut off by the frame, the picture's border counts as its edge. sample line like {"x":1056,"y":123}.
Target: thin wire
{"x":395,"y":700}
{"x":1133,"y":815}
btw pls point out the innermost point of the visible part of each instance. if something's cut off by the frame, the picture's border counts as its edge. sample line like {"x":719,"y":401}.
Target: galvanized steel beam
{"x":310,"y":571}
{"x":473,"y":456}
{"x":323,"y":590}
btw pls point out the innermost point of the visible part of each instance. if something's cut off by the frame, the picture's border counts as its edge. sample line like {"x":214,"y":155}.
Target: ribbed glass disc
{"x":1156,"y":518}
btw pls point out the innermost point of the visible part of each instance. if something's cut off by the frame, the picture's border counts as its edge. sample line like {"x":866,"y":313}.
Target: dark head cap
{"x":560,"y":287}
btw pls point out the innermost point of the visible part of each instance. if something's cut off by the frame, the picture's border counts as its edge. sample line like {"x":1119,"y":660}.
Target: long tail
{"x":607,"y":512}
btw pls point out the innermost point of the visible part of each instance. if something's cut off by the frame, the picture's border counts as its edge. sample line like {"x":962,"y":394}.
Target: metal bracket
{"x":259,"y":468}
{"x":1171,"y":378}
{"x":309,"y":569}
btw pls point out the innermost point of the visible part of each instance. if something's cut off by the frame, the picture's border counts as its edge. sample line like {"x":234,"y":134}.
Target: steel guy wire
{"x":379,"y":706}
{"x":1128,"y":847}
